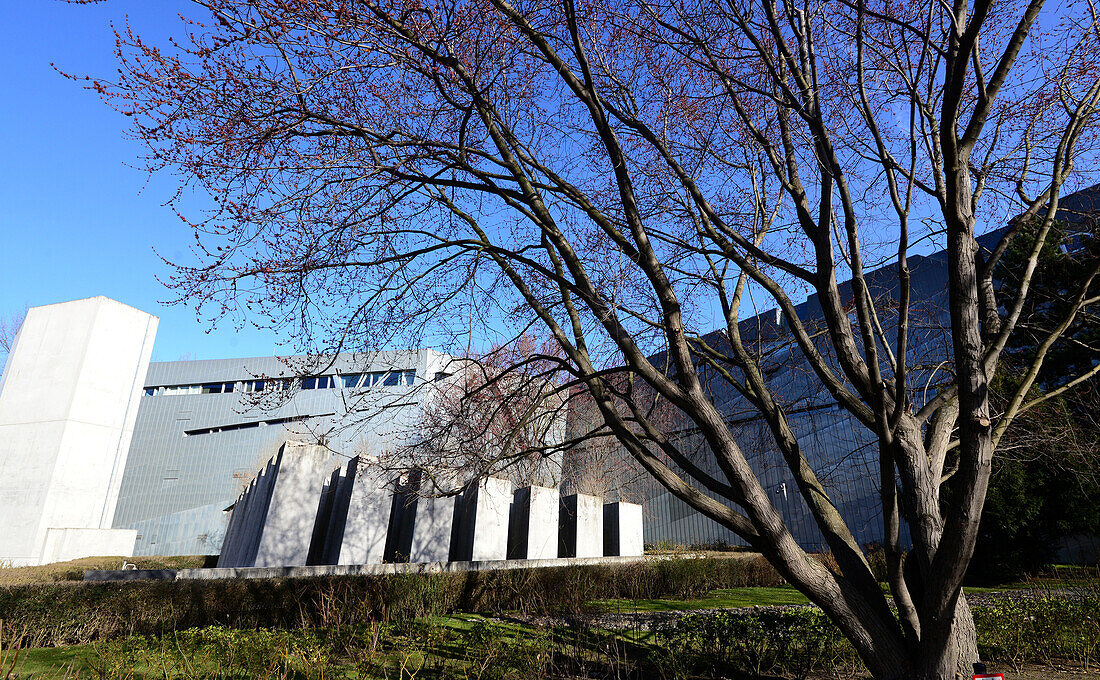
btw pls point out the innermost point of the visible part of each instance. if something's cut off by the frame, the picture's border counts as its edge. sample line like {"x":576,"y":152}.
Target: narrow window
{"x":352,"y":379}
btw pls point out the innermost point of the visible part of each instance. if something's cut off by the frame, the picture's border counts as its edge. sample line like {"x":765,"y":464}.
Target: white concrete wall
{"x":68,"y":401}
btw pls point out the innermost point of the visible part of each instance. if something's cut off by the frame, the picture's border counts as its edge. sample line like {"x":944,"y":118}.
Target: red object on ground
{"x":990,"y":676}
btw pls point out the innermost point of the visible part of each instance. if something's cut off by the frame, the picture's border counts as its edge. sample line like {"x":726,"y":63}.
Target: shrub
{"x":1040,"y":630}
{"x":764,"y":641}
{"x":215,"y":652}
{"x":56,"y":614}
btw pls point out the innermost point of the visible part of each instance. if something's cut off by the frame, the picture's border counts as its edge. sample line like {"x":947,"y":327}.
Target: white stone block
{"x":580,"y":526}
{"x":288,"y":527}
{"x":533,"y":532}
{"x":367,"y":519}
{"x":622,"y":525}
{"x":63,"y":544}
{"x":68,"y":402}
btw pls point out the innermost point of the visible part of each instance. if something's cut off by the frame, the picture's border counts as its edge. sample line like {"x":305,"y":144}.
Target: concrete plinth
{"x":483,"y":521}
{"x":292,"y":514}
{"x":622,"y":526}
{"x":366,"y":517}
{"x":533,"y":530}
{"x":580,"y":526}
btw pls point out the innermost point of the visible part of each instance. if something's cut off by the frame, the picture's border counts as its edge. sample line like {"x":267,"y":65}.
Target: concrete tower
{"x":68,"y":400}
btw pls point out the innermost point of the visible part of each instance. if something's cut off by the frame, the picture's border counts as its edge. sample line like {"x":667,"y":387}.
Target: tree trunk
{"x":949,"y":655}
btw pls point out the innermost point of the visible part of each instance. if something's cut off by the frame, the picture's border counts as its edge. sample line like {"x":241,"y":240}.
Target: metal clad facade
{"x":191,"y":453}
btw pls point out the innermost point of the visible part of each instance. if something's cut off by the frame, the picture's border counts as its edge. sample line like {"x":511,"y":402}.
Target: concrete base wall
{"x":355,"y":569}
{"x":622,"y":525}
{"x":63,"y":544}
{"x":580,"y":526}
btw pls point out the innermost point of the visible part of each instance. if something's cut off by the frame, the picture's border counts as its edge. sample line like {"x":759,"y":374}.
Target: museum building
{"x":103,"y":452}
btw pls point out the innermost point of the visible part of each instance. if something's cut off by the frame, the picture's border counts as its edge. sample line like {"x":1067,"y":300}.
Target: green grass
{"x":755,"y":597}
{"x":720,"y":598}
{"x":52,"y":662}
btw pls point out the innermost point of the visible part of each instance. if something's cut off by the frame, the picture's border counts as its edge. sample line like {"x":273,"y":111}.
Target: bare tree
{"x":628,"y":176}
{"x":9,"y":328}
{"x":502,"y":413}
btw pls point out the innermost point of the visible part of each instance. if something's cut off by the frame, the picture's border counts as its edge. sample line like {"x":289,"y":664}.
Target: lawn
{"x":715,"y":599}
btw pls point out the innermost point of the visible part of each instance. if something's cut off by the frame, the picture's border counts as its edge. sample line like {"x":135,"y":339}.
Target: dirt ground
{"x":1025,"y":672}
{"x":1031,"y":672}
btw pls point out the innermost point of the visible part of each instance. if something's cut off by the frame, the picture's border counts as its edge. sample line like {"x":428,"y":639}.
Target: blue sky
{"x":75,"y":221}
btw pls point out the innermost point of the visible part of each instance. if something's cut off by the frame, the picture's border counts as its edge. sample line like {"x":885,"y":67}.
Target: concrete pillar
{"x":319,"y":543}
{"x":366,"y":517}
{"x":580,"y":526}
{"x":483,"y":521}
{"x":533,"y":529}
{"x":422,"y":523}
{"x":256,"y":513}
{"x":231,"y":547}
{"x":433,"y":524}
{"x":622,"y":525}
{"x":399,"y":531}
{"x":344,"y":479}
{"x":295,"y":499}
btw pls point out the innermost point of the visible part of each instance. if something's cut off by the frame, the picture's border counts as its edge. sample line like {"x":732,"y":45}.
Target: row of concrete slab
{"x":305,"y":509}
